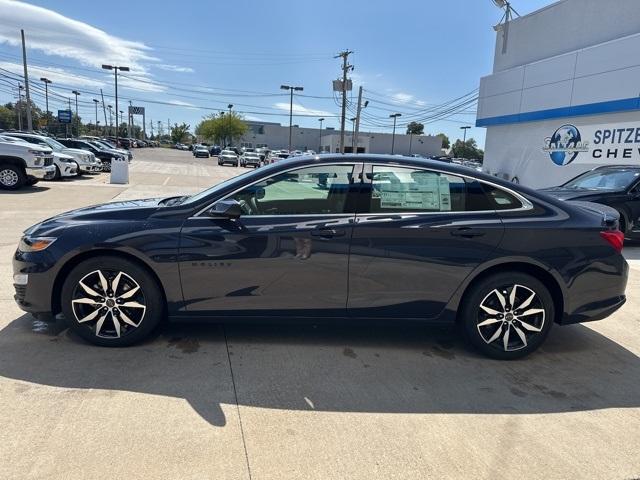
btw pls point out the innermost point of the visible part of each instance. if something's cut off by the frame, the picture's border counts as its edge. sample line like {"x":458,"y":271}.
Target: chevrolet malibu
{"x":330,"y":236}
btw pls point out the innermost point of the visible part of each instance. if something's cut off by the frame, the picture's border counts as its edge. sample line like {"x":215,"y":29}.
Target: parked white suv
{"x":24,"y":164}
{"x":87,"y":161}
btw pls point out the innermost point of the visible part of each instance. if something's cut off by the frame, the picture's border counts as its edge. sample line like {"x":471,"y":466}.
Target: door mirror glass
{"x":226,"y":208}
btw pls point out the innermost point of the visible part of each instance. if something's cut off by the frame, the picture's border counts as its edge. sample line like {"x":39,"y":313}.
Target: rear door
{"x":418,"y":236}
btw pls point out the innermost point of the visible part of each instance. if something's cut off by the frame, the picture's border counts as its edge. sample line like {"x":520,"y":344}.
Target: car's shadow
{"x":404,"y":369}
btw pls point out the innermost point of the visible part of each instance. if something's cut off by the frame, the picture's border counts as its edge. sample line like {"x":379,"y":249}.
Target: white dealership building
{"x":564,"y":95}
{"x":276,"y":136}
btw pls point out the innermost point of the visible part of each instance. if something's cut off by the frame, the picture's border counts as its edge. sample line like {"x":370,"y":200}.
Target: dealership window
{"x":400,"y":189}
{"x":311,"y":190}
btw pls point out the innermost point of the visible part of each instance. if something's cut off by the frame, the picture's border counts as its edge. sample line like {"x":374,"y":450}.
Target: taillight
{"x":615,"y":239}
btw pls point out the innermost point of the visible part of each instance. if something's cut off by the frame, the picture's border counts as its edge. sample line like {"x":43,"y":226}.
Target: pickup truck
{"x":22,"y":164}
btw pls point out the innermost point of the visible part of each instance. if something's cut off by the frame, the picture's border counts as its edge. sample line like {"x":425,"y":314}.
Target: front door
{"x":287,"y":254}
{"x":420,"y":235}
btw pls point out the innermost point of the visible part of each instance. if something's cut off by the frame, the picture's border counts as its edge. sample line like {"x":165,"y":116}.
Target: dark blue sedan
{"x":332,"y":236}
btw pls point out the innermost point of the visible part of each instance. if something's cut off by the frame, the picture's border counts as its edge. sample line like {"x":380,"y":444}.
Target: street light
{"x":76,"y":93}
{"x":464,"y":141}
{"x":121,"y":119}
{"x":393,"y":138}
{"x":115,"y":72}
{"x":320,"y":135}
{"x":46,"y":96}
{"x":291,"y":89}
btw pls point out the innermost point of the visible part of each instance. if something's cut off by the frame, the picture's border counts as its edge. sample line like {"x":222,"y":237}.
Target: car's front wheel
{"x":111,"y":301}
{"x":507,"y":315}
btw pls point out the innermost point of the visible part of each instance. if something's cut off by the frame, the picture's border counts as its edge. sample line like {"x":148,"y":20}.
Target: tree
{"x":445,"y":140}
{"x":468,"y":150}
{"x":224,"y":128}
{"x":179,"y":132}
{"x":415,"y":128}
{"x":7,"y":117}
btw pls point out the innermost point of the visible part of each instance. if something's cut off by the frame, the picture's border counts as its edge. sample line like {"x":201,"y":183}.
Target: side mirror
{"x":226,"y":208}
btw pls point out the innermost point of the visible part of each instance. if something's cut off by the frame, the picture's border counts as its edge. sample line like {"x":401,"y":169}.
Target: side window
{"x":403,"y":189}
{"x":501,"y":199}
{"x":311,"y":190}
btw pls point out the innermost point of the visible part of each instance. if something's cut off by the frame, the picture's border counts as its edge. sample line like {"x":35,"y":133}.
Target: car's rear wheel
{"x":507,"y":315}
{"x":111,"y":301}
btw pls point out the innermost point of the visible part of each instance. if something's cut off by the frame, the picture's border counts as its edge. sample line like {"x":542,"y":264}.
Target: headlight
{"x":37,"y":152}
{"x":34,"y":244}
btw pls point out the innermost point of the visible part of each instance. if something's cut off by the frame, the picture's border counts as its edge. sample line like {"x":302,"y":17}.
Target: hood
{"x":126,"y":210}
{"x":562,"y":193}
{"x":76,"y":151}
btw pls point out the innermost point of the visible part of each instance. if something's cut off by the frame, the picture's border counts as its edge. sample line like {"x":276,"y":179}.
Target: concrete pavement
{"x":303,"y":401}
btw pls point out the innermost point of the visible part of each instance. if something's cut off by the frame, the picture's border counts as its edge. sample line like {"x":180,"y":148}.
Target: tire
{"x":106,"y":166}
{"x":622,"y":223}
{"x":118,"y":322}
{"x":57,"y":175}
{"x":12,"y":177}
{"x":486,"y":324}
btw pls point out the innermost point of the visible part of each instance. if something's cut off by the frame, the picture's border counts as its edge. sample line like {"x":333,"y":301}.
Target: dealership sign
{"x":594,"y":144}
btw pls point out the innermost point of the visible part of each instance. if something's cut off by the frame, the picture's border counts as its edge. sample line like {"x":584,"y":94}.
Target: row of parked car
{"x":26,"y":158}
{"x":241,"y":156}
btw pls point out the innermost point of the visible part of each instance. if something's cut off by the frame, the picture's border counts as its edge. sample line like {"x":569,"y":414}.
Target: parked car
{"x":105,"y":156}
{"x":228,"y":156}
{"x":250,"y":159}
{"x":617,"y":186}
{"x":215,"y":150}
{"x":201,"y":151}
{"x":85,"y":162}
{"x":412,"y":239}
{"x":110,"y":146}
{"x":263,"y":153}
{"x":65,"y":166}
{"x":23,"y":164}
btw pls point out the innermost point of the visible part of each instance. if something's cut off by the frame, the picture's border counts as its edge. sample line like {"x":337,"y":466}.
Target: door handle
{"x":467,"y":232}
{"x":327,"y":233}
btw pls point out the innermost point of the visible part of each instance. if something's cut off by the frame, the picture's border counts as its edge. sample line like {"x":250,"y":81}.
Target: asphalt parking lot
{"x":302,"y":401}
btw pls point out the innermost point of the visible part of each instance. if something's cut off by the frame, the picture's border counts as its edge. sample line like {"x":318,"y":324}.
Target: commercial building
{"x":276,"y":136}
{"x":564,"y":95}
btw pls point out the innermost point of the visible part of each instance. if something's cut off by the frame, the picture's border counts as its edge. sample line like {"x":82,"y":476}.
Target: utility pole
{"x":356,"y":129}
{"x":95,"y":102}
{"x":320,"y":135}
{"x":169,"y":128}
{"x":26,"y":84}
{"x":46,"y":97}
{"x":76,"y":93}
{"x":66,"y":127}
{"x":345,"y":68}
{"x":20,"y":87}
{"x":104,"y":110}
{"x":115,"y":69}
{"x":129,"y":119}
{"x":353,"y":134}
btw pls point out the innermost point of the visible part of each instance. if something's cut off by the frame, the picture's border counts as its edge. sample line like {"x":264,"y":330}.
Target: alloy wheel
{"x":8,"y":178}
{"x":110,"y":303}
{"x":510,"y":316}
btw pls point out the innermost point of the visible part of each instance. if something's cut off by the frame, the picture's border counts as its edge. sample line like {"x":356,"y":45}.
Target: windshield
{"x":55,"y":145}
{"x":220,"y":186}
{"x":228,"y":152}
{"x":604,"y":180}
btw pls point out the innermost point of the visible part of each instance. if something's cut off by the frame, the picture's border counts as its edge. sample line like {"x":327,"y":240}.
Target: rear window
{"x":500,"y":199}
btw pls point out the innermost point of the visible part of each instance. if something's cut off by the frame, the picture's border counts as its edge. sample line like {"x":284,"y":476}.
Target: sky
{"x":190,"y":59}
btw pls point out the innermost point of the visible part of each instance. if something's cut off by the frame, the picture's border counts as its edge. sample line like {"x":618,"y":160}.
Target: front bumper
{"x":90,"y":168}
{"x":68,"y":169}
{"x":42,"y":173}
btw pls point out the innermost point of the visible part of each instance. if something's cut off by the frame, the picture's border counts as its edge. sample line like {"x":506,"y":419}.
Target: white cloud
{"x":56,"y":75}
{"x":173,"y":68}
{"x":181,"y":103}
{"x":54,"y":34}
{"x":253,"y":119}
{"x":402,"y":97}
{"x":300,"y":110}
{"x":420,"y":103}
